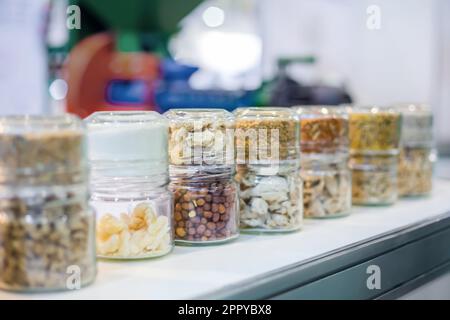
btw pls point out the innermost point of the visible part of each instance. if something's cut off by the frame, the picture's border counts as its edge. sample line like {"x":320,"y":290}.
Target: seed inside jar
{"x":205,"y":212}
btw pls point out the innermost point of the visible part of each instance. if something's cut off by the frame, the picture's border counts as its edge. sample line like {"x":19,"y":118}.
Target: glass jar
{"x":128,"y":156}
{"x":266,"y":134}
{"x":134,"y":217}
{"x":205,"y":210}
{"x":374,"y":179}
{"x":415,"y":170}
{"x":46,"y":236}
{"x":417,"y":126}
{"x":374,"y":130}
{"x":417,"y":155}
{"x":323,"y":129}
{"x":47,"y":231}
{"x":270,"y":198}
{"x":200,"y":137}
{"x":327,"y":186}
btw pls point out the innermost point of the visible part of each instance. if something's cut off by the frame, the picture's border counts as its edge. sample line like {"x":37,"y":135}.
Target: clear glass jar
{"x":374,"y":130}
{"x":415,"y":170}
{"x":374,"y":179}
{"x":47,"y":239}
{"x":200,"y":137}
{"x":128,"y":156}
{"x":327,"y":186}
{"x":38,"y":150}
{"x":205,"y":210}
{"x":270,"y":198}
{"x":417,"y":155}
{"x":134,"y":217}
{"x":417,"y":124}
{"x":323,"y":129}
{"x":266,"y":134}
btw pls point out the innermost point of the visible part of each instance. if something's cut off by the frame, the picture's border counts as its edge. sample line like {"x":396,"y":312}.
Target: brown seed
{"x":187,"y":197}
{"x":180,"y":232}
{"x":191,"y":231}
{"x":178,"y":216}
{"x":221,"y":208}
{"x":201,"y":229}
{"x":211,"y":225}
{"x":214,"y":207}
{"x":207,"y":207}
{"x":185,"y":205}
{"x":178,"y":207}
{"x":203,"y":221}
{"x":200,"y":202}
{"x":181,"y":224}
{"x":207,"y":214}
{"x":208,"y":233}
{"x":216,"y":217}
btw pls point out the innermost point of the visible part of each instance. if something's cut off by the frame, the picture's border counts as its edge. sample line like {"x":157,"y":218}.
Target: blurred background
{"x":81,"y":56}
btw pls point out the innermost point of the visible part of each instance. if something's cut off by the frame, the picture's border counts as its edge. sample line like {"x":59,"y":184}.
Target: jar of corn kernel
{"x":374,"y":139}
{"x":128,"y":156}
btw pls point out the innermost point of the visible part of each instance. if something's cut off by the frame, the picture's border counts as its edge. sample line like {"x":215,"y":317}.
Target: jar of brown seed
{"x":205,"y":208}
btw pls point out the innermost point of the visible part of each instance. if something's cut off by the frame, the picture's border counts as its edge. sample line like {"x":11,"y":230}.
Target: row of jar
{"x":47,"y":225}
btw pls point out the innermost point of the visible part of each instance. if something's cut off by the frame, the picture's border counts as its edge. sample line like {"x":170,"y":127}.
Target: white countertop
{"x":189,"y":272}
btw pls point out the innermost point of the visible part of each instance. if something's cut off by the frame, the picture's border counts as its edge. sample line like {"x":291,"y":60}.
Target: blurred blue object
{"x":174,"y":91}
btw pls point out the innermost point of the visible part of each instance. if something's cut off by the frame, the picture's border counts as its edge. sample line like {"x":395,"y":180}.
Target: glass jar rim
{"x":118,"y":118}
{"x":372,"y":109}
{"x":320,"y":111}
{"x":23,"y":124}
{"x":269,"y":113}
{"x":198,"y":114}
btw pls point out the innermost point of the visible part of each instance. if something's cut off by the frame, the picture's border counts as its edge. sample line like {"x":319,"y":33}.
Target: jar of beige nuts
{"x":327,"y":186}
{"x":374,"y":179}
{"x":128,"y":158}
{"x":324,"y":162}
{"x":47,"y":236}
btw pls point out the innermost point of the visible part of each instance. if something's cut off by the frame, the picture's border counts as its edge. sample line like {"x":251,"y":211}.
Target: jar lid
{"x":323,"y":129}
{"x":189,"y":115}
{"x":126,"y":143}
{"x":266,"y":134}
{"x":42,"y":150}
{"x":264,"y":113}
{"x":374,"y":130}
{"x":417,"y":127}
{"x":200,"y":137}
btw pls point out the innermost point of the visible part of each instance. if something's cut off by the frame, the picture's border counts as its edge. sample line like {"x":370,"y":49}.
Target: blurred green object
{"x":132,"y":20}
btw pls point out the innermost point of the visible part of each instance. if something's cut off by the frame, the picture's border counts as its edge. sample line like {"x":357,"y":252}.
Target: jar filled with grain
{"x":374,"y":139}
{"x":47,"y":236}
{"x":128,"y":158}
{"x":201,"y":167}
{"x":324,"y":162}
{"x":267,"y":170}
{"x":417,"y":152}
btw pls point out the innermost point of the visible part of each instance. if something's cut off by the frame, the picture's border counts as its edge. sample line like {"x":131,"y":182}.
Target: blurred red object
{"x":100,"y":78}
